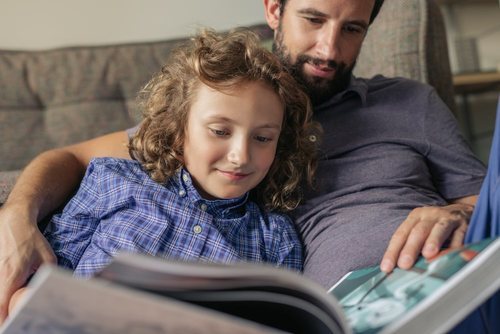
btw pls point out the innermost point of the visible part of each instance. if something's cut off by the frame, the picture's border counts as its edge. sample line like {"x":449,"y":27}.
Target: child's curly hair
{"x":222,"y":62}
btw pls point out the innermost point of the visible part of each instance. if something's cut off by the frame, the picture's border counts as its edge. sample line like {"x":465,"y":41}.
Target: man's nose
{"x":239,"y":153}
{"x":328,"y":43}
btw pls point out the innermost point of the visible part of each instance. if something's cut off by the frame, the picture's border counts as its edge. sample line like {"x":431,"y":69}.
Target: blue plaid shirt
{"x":119,"y":208}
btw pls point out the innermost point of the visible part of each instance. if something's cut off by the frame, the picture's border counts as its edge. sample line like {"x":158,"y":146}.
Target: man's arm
{"x":425,"y":230}
{"x":45,"y":184}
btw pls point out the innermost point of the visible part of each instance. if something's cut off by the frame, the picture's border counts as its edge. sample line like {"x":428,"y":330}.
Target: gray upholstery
{"x":408,"y":39}
{"x":57,"y":97}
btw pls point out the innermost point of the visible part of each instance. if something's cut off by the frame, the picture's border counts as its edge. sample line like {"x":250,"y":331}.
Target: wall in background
{"x":35,"y":24}
{"x":474,"y":21}
{"x":477,"y":25}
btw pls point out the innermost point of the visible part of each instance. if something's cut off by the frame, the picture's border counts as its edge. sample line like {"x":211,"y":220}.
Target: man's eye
{"x":314,"y":20}
{"x":354,"y":29}
{"x":220,"y":133}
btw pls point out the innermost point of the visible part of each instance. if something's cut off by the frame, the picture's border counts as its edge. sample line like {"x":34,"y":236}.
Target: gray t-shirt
{"x":389,"y":145}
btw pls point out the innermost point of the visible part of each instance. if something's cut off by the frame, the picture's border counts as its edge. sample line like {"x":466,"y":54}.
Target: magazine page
{"x":59,"y":303}
{"x":431,"y":297}
{"x":285,"y":299}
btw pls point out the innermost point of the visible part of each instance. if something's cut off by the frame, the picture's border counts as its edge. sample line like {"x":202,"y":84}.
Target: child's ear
{"x":272,"y":8}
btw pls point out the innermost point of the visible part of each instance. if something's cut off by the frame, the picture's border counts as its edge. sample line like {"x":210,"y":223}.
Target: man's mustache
{"x":329,"y":64}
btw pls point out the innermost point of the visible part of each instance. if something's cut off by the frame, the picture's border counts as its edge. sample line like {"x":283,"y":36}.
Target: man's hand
{"x":22,"y":250}
{"x":425,"y":230}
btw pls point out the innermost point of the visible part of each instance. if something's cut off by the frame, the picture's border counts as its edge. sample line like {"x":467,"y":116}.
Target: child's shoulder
{"x":272,"y":217}
{"x":114,"y":164}
{"x":107,"y":167}
{"x":280,"y":219}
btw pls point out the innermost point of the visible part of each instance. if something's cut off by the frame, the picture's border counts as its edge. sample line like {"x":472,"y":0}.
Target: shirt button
{"x":182,"y":193}
{"x":197,"y":229}
{"x":312,"y":138}
{"x":185,"y":178}
{"x":203,"y":207}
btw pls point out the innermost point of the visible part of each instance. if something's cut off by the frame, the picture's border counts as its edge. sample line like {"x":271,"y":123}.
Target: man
{"x":392,"y":159}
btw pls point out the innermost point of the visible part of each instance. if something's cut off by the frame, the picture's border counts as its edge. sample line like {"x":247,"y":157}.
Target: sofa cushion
{"x":7,"y":180}
{"x":57,"y":97}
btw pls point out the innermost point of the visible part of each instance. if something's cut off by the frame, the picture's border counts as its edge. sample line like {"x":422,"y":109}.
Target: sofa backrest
{"x":408,"y":39}
{"x":57,"y":97}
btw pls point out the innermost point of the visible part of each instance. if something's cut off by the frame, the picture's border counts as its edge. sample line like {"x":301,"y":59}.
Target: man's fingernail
{"x":386,"y":265}
{"x":430,"y":249}
{"x":405,"y":261}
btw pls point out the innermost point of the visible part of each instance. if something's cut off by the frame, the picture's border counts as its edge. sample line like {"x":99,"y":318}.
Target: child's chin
{"x":229,"y":194}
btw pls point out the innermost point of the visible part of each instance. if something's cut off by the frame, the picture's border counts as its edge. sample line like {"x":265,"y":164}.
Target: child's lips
{"x":234,"y":176}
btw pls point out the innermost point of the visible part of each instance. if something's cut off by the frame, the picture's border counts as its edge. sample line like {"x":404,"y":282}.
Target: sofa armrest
{"x":7,"y":180}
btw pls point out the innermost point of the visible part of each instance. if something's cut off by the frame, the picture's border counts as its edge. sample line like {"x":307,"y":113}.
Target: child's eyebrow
{"x":224,"y":119}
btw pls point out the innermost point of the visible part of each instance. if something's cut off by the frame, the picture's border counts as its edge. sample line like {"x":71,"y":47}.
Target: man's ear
{"x":272,"y":8}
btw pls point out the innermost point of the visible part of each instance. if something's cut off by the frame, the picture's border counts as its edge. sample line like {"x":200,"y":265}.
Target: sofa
{"x":56,"y":97}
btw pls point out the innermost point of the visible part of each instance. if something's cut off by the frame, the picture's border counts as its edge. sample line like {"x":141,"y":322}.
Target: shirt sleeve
{"x":455,"y":170}
{"x":289,"y":249}
{"x":132,"y":131}
{"x":69,"y":232}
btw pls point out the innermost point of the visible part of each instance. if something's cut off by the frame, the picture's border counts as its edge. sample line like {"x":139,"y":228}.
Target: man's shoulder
{"x":398,"y":93}
{"x":382,"y":82}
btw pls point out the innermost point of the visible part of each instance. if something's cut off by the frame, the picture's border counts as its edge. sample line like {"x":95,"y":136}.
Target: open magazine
{"x":142,"y":294}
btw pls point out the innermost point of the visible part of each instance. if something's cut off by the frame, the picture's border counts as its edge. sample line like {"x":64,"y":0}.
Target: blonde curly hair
{"x":222,"y":62}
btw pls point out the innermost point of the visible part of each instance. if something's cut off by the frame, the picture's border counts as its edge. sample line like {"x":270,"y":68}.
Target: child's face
{"x":231,"y":138}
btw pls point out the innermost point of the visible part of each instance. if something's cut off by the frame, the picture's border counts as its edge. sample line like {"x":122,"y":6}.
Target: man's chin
{"x":320,"y":90}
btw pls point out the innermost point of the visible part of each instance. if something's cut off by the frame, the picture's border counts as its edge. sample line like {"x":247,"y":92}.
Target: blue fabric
{"x":485,"y":223}
{"x":119,"y":208}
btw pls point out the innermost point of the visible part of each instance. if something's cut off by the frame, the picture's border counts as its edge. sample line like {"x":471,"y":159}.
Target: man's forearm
{"x":46,"y":183}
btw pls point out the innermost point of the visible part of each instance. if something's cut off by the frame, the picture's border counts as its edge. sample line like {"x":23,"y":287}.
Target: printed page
{"x":180,"y":279}
{"x":59,"y":303}
{"x":389,"y":303}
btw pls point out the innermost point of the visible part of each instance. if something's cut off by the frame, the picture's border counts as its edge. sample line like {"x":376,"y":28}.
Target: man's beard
{"x":319,"y":89}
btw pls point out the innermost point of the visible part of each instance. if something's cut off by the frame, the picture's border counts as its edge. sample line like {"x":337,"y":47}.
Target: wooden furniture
{"x":473,"y":83}
{"x":470,"y":2}
{"x":476,"y":82}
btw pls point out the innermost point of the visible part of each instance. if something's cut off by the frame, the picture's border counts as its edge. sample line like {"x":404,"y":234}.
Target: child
{"x":225,"y":142}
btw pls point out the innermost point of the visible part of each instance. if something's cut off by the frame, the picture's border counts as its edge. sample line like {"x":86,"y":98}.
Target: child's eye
{"x":263,"y":139}
{"x":219,"y":133}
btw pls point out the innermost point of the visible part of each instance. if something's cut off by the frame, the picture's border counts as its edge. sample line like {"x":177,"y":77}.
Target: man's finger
{"x":413,"y":246}
{"x":396,"y":243}
{"x":7,"y":289}
{"x":458,"y":236}
{"x":439,"y":234}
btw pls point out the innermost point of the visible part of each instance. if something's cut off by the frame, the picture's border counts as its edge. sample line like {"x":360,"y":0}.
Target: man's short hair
{"x":376,"y":8}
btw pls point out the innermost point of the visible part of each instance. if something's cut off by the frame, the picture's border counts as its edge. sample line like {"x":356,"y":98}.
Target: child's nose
{"x":239,"y":154}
